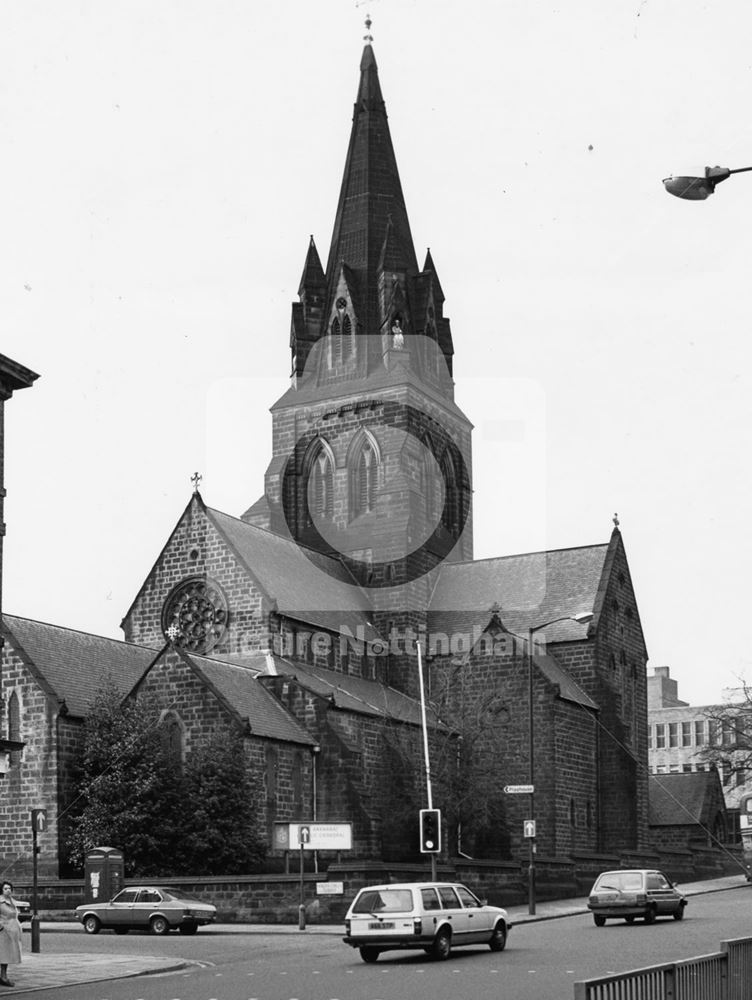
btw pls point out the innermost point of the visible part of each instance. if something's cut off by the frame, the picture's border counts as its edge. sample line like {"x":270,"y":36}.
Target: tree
{"x":128,"y":794}
{"x":222,"y":833}
{"x":729,"y":746}
{"x":168,"y":816}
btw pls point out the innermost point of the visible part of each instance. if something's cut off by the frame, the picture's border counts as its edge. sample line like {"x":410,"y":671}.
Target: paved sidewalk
{"x":51,"y":971}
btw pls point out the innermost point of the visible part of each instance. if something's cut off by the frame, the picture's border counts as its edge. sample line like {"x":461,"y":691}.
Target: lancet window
{"x":363,"y":477}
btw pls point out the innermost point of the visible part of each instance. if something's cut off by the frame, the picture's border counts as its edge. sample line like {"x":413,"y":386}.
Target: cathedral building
{"x":300,"y":622}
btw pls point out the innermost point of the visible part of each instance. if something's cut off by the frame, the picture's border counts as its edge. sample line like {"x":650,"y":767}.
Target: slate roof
{"x":684,"y":799}
{"x":531,"y":588}
{"x":353,"y":694}
{"x":240,"y":688}
{"x":568,"y":689}
{"x":306,"y":585}
{"x":71,"y":666}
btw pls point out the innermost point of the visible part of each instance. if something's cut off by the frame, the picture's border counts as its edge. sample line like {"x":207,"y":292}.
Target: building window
{"x":572,"y":813}
{"x":660,"y":736}
{"x":323,"y":486}
{"x":700,"y":733}
{"x":687,"y":768}
{"x":364,"y":478}
{"x":452,"y":513}
{"x":14,"y":728}
{"x":589,"y":815}
{"x":650,"y":737}
{"x":297,"y":785}
{"x":727,"y":732}
{"x":686,"y":734}
{"x":673,"y":734}
{"x":172,"y":739}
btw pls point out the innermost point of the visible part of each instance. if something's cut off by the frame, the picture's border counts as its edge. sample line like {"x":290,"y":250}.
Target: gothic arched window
{"x":430,"y":481}
{"x":322,"y":499}
{"x":172,"y":739}
{"x":14,"y":727}
{"x":342,"y":341}
{"x":364,"y":479}
{"x":452,"y":513}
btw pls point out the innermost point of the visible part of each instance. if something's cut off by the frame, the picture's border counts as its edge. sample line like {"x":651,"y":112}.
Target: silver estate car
{"x":634,"y":892}
{"x":432,"y":916}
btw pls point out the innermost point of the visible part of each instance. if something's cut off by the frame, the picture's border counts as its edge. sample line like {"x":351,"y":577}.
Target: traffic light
{"x":430,"y":831}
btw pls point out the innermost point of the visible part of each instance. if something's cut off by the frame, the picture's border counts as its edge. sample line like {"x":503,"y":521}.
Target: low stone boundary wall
{"x":275,"y":898}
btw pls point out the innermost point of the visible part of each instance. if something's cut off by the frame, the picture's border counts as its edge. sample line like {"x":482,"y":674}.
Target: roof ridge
{"x":80,"y":631}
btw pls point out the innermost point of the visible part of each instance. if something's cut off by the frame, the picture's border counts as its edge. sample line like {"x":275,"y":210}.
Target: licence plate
{"x":386,"y":925}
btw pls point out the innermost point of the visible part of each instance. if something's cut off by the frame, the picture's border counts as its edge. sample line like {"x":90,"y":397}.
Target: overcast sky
{"x":164,"y":163}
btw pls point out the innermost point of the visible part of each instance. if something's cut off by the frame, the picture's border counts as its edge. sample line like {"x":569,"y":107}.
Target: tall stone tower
{"x":371,"y":456}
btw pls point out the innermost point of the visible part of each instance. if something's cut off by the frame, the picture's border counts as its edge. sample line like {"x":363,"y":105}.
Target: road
{"x":541,"y":962}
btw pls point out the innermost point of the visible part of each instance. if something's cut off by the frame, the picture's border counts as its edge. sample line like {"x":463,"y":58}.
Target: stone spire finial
{"x":616,"y":520}
{"x":196,"y":479}
{"x":368,"y":37}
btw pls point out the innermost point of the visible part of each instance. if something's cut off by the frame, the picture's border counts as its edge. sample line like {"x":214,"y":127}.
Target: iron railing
{"x":724,"y":975}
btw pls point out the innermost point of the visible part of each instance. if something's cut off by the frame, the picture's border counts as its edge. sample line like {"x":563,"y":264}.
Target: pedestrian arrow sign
{"x":519,"y":789}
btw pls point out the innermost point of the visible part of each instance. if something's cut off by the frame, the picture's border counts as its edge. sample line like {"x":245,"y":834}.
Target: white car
{"x":432,"y":916}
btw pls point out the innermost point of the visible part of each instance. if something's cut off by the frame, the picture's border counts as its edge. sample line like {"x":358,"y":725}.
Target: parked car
{"x":634,"y":892}
{"x":146,"y":907}
{"x":432,"y":916}
{"x":24,"y":910}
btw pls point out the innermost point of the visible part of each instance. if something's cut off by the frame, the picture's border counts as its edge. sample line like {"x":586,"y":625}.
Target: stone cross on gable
{"x":196,"y":479}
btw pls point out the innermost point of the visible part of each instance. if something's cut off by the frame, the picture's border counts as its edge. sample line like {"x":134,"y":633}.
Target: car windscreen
{"x":384,"y":900}
{"x":622,"y":881}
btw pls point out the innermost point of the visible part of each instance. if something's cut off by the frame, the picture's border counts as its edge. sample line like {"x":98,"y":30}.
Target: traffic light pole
{"x":531,"y":751}
{"x":429,"y":794}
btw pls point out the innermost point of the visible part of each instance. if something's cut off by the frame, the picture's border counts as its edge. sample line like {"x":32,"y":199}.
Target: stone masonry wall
{"x":612,"y":670}
{"x":33,"y":777}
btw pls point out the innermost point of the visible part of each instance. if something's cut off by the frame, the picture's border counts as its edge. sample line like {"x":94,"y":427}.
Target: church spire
{"x":370,"y":195}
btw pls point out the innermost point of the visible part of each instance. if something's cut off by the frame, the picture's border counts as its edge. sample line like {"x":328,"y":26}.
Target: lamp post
{"x":581,"y":619}
{"x":698,"y":188}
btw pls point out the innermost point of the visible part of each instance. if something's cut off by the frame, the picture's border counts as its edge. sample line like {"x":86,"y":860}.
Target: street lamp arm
{"x":698,"y":188}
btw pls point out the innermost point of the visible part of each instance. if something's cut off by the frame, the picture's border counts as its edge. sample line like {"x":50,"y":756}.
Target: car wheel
{"x":369,"y":955}
{"x":121,"y":930}
{"x":598,"y":920}
{"x":92,"y":924}
{"x":159,"y":925}
{"x":650,"y":915}
{"x":630,"y":920}
{"x":442,"y":946}
{"x":679,"y":913}
{"x":188,"y":928}
{"x":498,"y":940}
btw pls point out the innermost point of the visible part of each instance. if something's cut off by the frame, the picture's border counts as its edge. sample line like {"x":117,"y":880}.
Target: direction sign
{"x":528,"y":828}
{"x":38,"y":820}
{"x":321,"y":836}
{"x":519,"y":789}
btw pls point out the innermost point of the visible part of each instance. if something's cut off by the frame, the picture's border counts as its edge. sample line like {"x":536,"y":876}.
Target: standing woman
{"x":10,"y":932}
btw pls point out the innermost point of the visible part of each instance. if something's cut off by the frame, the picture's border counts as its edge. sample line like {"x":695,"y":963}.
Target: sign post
{"x":38,"y":825}
{"x":304,"y":837}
